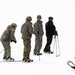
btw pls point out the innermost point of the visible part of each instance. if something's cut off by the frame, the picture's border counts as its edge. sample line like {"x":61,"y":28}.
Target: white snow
{"x":64,"y":16}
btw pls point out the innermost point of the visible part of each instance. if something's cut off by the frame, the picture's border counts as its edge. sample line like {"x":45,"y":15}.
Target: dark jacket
{"x":50,"y":29}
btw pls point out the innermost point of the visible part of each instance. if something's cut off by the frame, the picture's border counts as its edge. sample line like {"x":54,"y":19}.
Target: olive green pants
{"x":27,"y":48}
{"x":7,"y":48}
{"x":38,"y":44}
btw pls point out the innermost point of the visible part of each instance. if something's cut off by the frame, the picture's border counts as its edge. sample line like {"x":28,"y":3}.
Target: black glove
{"x":15,"y":41}
{"x":55,"y":36}
{"x":11,"y":40}
{"x":37,"y":32}
{"x":56,"y":33}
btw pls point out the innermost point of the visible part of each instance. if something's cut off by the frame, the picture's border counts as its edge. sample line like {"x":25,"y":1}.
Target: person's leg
{"x":25,"y":42}
{"x":47,"y":47}
{"x":27,"y":49}
{"x":36,"y":45}
{"x":4,"y":45}
{"x":7,"y":49}
{"x":49,"y":41}
{"x":40,"y":43}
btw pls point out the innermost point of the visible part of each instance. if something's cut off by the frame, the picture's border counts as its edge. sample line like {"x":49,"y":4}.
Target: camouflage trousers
{"x":7,"y":48}
{"x":38,"y":44}
{"x":27,"y":48}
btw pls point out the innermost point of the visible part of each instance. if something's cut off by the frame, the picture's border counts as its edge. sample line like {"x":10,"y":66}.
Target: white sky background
{"x":63,"y":12}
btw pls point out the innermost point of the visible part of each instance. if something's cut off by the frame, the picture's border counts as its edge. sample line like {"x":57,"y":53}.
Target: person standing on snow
{"x":50,"y":31}
{"x":27,"y":31}
{"x":6,"y":38}
{"x":38,"y":31}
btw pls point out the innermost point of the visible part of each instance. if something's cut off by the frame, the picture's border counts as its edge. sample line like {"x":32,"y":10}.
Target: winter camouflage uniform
{"x":6,"y":38}
{"x":38,"y":31}
{"x":27,"y":31}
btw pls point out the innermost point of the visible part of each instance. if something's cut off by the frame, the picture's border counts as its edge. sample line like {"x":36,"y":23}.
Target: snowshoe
{"x":9,"y":59}
{"x":45,"y":51}
{"x":4,"y":58}
{"x":37,"y":54}
{"x":48,"y":52}
{"x":23,"y":59}
{"x":71,"y":64}
{"x":28,"y":60}
{"x":51,"y":52}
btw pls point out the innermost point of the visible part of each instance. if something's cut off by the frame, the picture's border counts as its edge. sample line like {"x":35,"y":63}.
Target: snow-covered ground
{"x":64,"y":16}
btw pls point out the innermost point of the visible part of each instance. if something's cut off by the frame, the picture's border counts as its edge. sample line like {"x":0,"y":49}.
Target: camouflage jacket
{"x":26,"y":30}
{"x":38,"y":28}
{"x":8,"y":34}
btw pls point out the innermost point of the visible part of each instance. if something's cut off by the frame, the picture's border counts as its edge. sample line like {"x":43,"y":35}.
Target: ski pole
{"x":58,"y":45}
{"x":54,"y":44}
{"x":39,"y":57}
{"x":1,"y":51}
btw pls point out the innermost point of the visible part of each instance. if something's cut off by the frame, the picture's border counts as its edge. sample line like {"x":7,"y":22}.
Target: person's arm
{"x":12,"y":37}
{"x":30,"y":29}
{"x":41,"y":32}
{"x":55,"y":31}
{"x":35,"y":29}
